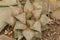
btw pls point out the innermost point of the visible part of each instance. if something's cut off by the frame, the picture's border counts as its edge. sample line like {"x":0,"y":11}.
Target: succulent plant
{"x":33,"y":19}
{"x":27,"y":20}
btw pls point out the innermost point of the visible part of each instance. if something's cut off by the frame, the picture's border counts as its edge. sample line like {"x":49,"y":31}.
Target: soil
{"x":53,"y":33}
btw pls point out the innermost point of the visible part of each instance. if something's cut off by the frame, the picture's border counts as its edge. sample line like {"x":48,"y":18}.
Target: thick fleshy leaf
{"x":4,"y":37}
{"x":45,"y":20}
{"x":11,"y":20}
{"x":18,"y":34}
{"x":15,"y":10}
{"x":28,"y":34}
{"x":8,"y":2}
{"x":22,"y":17}
{"x":36,"y":13}
{"x":20,"y":26}
{"x":37,"y":4}
{"x":36,"y":26}
{"x":38,"y":34}
{"x":19,"y":3}
{"x":5,"y":13}
{"x":28,"y":6}
{"x":2,"y":25}
{"x":30,"y":22}
{"x":29,"y":16}
{"x":35,"y":38}
{"x":44,"y":27}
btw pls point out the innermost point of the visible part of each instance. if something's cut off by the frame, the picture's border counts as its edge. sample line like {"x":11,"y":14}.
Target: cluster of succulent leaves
{"x":29,"y":17}
{"x":39,"y":20}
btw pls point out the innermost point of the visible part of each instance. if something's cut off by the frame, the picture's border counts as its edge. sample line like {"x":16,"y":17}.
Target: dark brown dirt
{"x":53,"y":33}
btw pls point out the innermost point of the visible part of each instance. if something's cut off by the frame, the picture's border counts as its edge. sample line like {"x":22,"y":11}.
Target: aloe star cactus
{"x":31,"y":20}
{"x":27,"y":18}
